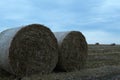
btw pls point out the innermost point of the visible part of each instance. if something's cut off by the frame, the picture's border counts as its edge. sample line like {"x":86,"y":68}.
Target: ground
{"x":103,"y":63}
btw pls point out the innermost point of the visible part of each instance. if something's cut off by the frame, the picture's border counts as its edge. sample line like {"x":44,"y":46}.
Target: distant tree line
{"x":112,"y":44}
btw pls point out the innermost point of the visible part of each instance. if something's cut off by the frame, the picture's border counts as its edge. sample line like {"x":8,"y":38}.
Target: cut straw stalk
{"x":28,"y":50}
{"x":72,"y":51}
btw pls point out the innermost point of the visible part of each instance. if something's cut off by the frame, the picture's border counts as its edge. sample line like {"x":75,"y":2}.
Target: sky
{"x":98,"y":20}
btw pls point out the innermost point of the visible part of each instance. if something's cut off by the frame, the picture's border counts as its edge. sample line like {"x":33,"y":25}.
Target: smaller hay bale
{"x":28,"y":50}
{"x":97,"y":43}
{"x":113,"y":44}
{"x":72,"y":51}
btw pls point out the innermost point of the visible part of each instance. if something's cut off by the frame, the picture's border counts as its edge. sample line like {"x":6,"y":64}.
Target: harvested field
{"x":102,"y":73}
{"x":72,"y":50}
{"x":101,"y":55}
{"x":28,"y":50}
{"x":106,"y":66}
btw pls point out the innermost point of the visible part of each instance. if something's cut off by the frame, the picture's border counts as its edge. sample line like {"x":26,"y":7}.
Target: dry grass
{"x":101,"y":55}
{"x":87,"y":74}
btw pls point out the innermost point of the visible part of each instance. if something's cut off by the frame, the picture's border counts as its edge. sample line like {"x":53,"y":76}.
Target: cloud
{"x":63,"y":13}
{"x":15,"y":10}
{"x":110,"y":6}
{"x":94,"y":17}
{"x":108,"y":11}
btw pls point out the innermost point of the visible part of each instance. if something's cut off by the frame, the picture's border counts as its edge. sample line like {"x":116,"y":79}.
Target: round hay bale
{"x":28,"y":50}
{"x":72,"y":51}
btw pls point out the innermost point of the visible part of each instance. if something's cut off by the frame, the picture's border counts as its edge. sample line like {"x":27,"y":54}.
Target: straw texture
{"x":72,"y":51}
{"x":28,"y":50}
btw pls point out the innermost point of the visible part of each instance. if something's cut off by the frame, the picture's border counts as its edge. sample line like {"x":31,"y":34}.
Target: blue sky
{"x":98,"y":20}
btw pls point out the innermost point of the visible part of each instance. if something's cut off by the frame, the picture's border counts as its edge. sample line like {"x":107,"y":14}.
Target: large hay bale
{"x":28,"y":50}
{"x":72,"y":51}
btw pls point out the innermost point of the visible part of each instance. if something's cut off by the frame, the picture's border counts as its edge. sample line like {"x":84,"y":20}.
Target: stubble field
{"x":103,"y":63}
